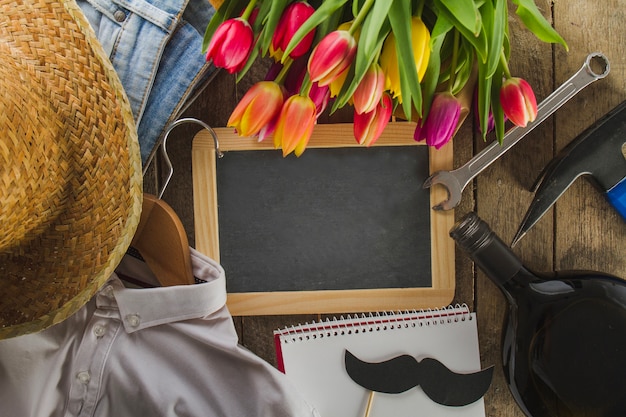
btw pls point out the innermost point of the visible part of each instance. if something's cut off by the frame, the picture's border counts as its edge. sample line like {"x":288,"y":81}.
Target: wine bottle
{"x":564,"y":334}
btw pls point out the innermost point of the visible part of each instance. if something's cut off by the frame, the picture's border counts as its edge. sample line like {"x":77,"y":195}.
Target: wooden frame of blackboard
{"x":270,"y":302}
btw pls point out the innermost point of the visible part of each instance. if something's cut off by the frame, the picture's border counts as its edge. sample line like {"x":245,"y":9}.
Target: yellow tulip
{"x":420,"y":39}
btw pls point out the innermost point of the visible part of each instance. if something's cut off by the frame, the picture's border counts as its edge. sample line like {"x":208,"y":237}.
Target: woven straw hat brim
{"x":70,"y":170}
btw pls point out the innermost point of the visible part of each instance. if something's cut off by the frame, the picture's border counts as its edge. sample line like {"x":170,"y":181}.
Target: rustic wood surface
{"x":581,"y":232}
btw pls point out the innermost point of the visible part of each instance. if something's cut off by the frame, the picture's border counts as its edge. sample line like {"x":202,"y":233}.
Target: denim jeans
{"x":156,"y":49}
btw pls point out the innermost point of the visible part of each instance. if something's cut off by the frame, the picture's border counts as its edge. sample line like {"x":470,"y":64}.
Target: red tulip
{"x":370,"y":90}
{"x":292,"y":18}
{"x":332,"y":56}
{"x":441,"y":122}
{"x":518,"y":101}
{"x":295,"y":125}
{"x":369,"y":126}
{"x":257,"y":110}
{"x":231,"y":44}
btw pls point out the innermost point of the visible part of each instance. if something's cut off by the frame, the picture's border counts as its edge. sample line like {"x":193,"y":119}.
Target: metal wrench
{"x":455,"y":181}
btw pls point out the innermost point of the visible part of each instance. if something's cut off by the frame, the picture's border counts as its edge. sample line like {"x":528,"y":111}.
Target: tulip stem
{"x":306,"y":85}
{"x":455,"y":55}
{"x":284,"y":70}
{"x":360,"y":16}
{"x":246,"y":13}
{"x":505,"y":65}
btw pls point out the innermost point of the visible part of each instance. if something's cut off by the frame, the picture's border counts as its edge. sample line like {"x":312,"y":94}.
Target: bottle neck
{"x":487,"y":250}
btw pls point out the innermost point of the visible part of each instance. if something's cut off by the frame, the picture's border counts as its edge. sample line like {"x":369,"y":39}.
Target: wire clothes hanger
{"x":160,"y":237}
{"x":166,"y":157}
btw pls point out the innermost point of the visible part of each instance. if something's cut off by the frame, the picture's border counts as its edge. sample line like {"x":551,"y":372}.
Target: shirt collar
{"x":147,"y":307}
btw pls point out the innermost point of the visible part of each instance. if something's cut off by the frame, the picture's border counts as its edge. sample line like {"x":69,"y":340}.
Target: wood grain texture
{"x":582,"y":231}
{"x":591,"y":235}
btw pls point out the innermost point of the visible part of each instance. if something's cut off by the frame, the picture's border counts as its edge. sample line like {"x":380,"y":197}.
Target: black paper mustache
{"x":404,"y":372}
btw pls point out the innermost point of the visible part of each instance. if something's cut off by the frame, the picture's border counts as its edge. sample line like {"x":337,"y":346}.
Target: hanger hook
{"x":166,"y":157}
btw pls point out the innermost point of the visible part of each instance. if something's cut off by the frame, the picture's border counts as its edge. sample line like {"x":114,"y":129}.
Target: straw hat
{"x":70,"y":171}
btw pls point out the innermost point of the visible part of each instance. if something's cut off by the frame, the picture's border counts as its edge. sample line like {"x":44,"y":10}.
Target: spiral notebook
{"x":418,"y":363}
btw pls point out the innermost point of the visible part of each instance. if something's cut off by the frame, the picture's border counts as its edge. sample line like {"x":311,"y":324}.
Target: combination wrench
{"x":455,"y":181}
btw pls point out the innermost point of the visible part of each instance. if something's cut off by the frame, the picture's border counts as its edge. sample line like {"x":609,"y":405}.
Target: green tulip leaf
{"x":484,"y":97}
{"x":533,"y":19}
{"x":466,"y":13}
{"x":372,"y":27}
{"x":328,"y":25}
{"x":495,"y":24}
{"x":440,"y":29}
{"x":496,"y":106}
{"x":267,"y":21}
{"x":323,"y":12}
{"x":479,"y":42}
{"x":464,"y":67}
{"x":431,"y":77}
{"x":409,"y":82}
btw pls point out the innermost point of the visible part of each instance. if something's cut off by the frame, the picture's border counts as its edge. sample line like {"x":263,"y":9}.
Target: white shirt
{"x":165,"y":351}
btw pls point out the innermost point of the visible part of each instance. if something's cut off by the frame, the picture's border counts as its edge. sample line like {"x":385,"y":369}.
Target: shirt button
{"x":83,"y":377}
{"x":119,"y":16}
{"x":99,"y":330}
{"x":133,"y":320}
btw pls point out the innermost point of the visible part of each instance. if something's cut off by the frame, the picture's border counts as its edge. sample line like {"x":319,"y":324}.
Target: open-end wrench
{"x":455,"y":181}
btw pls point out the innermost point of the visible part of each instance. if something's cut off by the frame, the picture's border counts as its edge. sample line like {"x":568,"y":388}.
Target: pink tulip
{"x":295,"y":125}
{"x":518,"y":101}
{"x":320,"y":96}
{"x":441,"y":122}
{"x":332,"y":56}
{"x":370,"y":90}
{"x":369,"y":126}
{"x":257,"y":110}
{"x":231,"y":44}
{"x":292,"y":18}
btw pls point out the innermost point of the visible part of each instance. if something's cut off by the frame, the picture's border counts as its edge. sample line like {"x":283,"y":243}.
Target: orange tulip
{"x":258,"y":108}
{"x":295,"y":125}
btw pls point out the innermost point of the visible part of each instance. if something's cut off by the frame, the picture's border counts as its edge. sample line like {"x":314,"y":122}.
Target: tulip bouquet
{"x":409,"y":58}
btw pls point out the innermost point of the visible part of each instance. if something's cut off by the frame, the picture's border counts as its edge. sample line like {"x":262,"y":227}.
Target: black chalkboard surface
{"x":341,"y":228}
{"x":332,"y":219}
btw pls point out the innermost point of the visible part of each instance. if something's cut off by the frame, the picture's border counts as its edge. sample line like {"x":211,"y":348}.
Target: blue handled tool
{"x":598,"y":153}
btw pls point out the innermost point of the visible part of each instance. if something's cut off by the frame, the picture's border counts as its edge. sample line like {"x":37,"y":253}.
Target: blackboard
{"x":341,"y":228}
{"x":332,"y":219}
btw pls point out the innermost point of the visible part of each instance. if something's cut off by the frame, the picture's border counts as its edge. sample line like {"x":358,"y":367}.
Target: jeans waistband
{"x":164,"y":14}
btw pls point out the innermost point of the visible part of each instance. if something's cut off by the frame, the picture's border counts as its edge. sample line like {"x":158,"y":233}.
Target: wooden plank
{"x":591,"y":235}
{"x":337,"y":301}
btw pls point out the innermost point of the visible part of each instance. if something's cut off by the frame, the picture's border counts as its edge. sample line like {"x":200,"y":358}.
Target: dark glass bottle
{"x":564,"y":335}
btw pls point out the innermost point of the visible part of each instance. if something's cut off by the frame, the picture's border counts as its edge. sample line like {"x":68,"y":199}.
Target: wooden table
{"x":581,"y":232}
